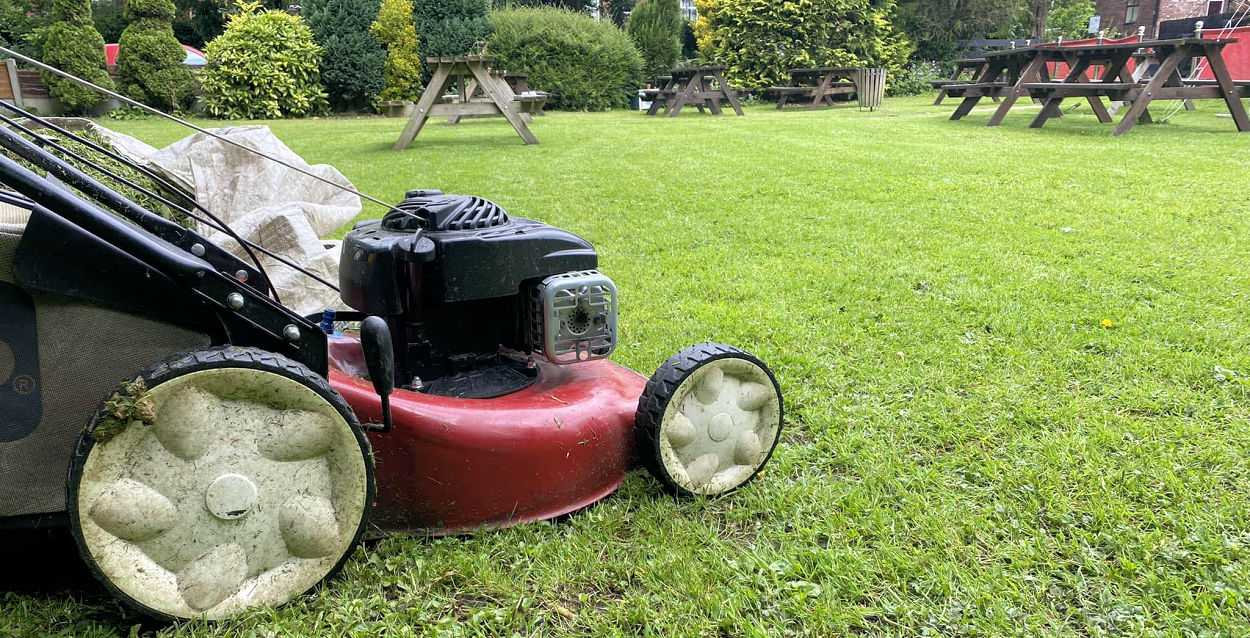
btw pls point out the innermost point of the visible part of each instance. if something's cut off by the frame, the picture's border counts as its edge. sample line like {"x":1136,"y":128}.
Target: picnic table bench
{"x":1119,"y":84}
{"x":467,"y":86}
{"x":700,"y":86}
{"x":519,"y":83}
{"x":970,"y":67}
{"x":819,"y":84}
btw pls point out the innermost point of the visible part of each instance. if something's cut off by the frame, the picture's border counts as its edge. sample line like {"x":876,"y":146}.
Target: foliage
{"x":618,"y":11}
{"x":130,"y":406}
{"x":24,"y":25}
{"x":74,"y":46}
{"x":263,"y":66}
{"x":395,"y":30}
{"x":208,"y":20}
{"x":150,"y":59}
{"x":758,"y":40}
{"x":937,"y":25}
{"x":689,"y":46}
{"x":586,"y":64}
{"x":655,"y":26}
{"x":109,"y":19}
{"x":351,"y":66}
{"x":914,"y":80}
{"x":450,"y":27}
{"x":1068,"y":19}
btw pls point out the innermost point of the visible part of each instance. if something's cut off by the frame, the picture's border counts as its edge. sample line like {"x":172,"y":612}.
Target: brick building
{"x":1123,"y":17}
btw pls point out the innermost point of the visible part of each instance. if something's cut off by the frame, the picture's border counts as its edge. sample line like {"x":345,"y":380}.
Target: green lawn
{"x":969,"y":450}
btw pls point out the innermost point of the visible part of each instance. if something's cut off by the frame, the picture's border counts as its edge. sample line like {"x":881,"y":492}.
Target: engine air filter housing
{"x":573,"y":317}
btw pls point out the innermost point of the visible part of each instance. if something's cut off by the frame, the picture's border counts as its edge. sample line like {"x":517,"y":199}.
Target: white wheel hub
{"x":720,"y":426}
{"x":247,"y":490}
{"x":230,"y":496}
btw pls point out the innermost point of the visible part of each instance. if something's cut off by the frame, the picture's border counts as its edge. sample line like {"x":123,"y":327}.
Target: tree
{"x":109,"y":19}
{"x":1069,"y":18}
{"x":74,"y":46}
{"x":655,"y":26}
{"x":265,"y":65}
{"x":351,"y":66}
{"x":937,"y":25}
{"x":150,"y":59}
{"x":618,"y":10}
{"x":449,"y":28}
{"x":758,"y":41}
{"x":395,"y":30}
{"x":24,"y":25}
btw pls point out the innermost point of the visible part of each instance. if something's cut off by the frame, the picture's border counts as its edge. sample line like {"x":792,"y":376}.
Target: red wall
{"x":1236,"y":55}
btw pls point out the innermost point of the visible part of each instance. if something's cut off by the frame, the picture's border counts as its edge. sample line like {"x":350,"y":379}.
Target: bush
{"x":74,"y":46}
{"x":351,"y":66}
{"x":263,"y":66}
{"x":108,"y":19}
{"x":395,"y":30}
{"x":449,"y":28}
{"x":655,"y":26}
{"x":150,"y":59}
{"x":914,"y":80}
{"x":758,"y":41}
{"x":587,"y":64}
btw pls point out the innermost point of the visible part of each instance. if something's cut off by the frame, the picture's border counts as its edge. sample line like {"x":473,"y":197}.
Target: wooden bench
{"x":819,"y":85}
{"x":531,"y":102}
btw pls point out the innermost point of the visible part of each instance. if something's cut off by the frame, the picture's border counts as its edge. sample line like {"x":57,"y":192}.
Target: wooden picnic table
{"x":469,"y":89}
{"x":473,"y":90}
{"x":696,"y":85}
{"x":970,"y":67}
{"x":1002,"y":72}
{"x":820,"y":84}
{"x":1118,"y":83}
{"x":1012,"y":74}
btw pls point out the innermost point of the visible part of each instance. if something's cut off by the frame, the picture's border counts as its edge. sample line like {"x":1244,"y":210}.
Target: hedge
{"x":586,"y":64}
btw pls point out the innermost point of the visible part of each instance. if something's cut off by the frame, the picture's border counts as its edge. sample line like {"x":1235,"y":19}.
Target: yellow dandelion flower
{"x":1107,"y":323}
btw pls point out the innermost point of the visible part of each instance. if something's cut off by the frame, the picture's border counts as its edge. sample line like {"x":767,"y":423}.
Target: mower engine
{"x":471,"y":294}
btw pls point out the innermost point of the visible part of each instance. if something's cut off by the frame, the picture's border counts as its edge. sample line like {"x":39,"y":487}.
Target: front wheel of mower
{"x":708,"y":420}
{"x":221,"y":480}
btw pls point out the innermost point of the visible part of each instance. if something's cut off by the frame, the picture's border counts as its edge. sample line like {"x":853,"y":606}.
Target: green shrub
{"x":758,"y":41}
{"x":263,"y":66}
{"x":74,"y":46}
{"x":351,"y":66}
{"x":914,"y":80}
{"x":395,"y":30}
{"x":108,"y":19}
{"x":450,"y":27}
{"x":655,"y":26}
{"x":586,"y":64}
{"x":150,"y":59}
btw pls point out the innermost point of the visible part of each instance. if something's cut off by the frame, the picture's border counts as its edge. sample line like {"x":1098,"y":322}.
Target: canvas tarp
{"x":265,"y":202}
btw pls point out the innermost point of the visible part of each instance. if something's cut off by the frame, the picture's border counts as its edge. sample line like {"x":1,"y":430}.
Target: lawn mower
{"x":212,"y":451}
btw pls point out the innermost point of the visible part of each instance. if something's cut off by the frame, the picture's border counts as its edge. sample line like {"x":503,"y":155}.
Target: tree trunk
{"x":1041,"y":9}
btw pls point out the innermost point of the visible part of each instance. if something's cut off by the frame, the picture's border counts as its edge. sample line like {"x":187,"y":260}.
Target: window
{"x":1215,"y":7}
{"x":1130,"y":11}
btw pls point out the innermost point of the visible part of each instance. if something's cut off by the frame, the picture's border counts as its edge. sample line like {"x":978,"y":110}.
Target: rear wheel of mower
{"x":708,"y":420}
{"x":218,"y":481}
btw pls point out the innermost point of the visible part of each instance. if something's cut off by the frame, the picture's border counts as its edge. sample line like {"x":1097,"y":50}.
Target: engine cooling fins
{"x":453,"y":212}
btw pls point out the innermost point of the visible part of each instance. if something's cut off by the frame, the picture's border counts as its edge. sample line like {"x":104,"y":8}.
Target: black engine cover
{"x":448,"y":272}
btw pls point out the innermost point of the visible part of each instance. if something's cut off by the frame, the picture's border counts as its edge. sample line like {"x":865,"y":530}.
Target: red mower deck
{"x":456,"y":465}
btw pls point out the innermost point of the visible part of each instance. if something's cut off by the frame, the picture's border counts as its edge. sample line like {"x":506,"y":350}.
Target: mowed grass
{"x":1016,"y":366}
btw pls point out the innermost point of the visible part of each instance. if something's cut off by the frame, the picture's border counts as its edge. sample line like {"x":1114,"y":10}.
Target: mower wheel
{"x":708,"y":420}
{"x":218,"y":481}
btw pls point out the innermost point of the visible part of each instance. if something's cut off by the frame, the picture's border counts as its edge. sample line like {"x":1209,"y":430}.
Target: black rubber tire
{"x":659,"y":392}
{"x":198,"y":361}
